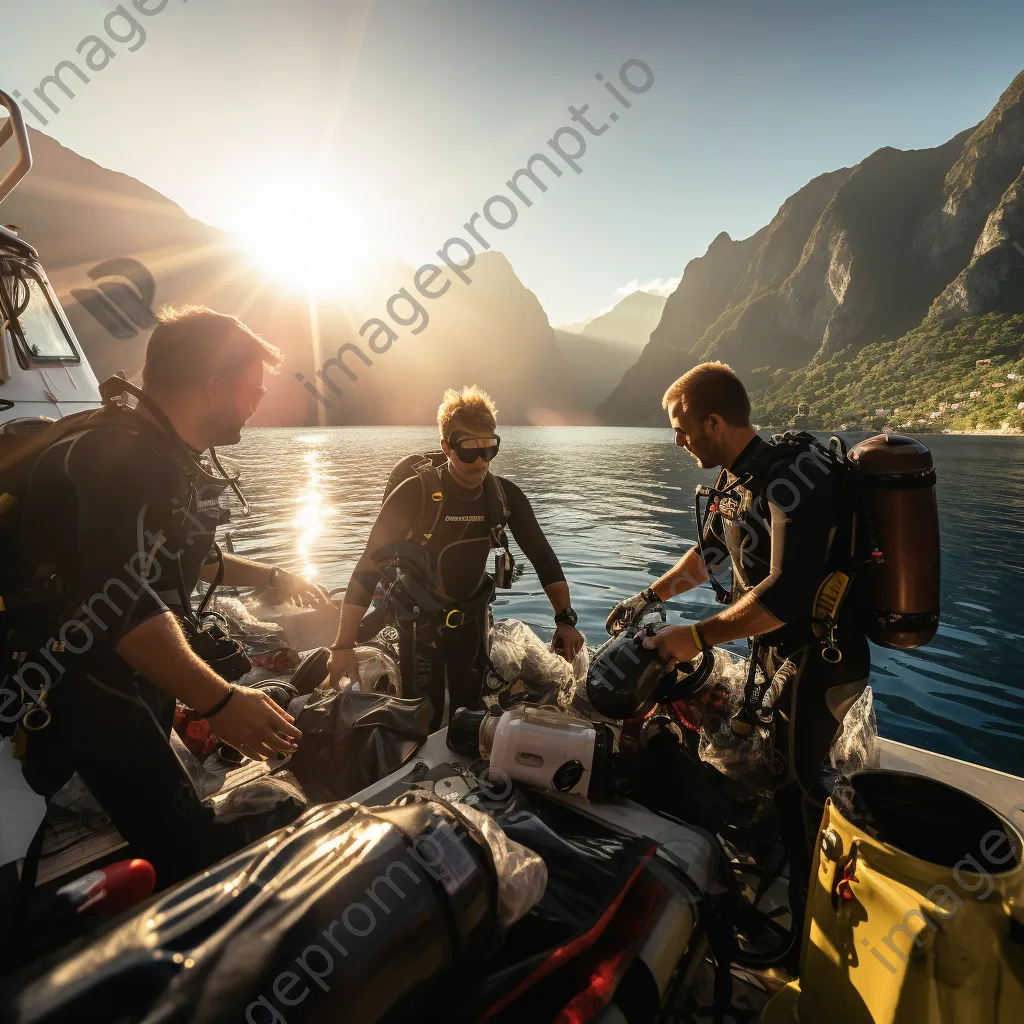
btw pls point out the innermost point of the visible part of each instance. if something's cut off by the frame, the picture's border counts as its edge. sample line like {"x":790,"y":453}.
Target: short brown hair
{"x":191,"y":343}
{"x":711,"y":388}
{"x":471,"y":408}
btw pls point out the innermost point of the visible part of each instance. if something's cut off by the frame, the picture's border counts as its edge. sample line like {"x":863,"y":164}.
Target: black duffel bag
{"x":351,"y":740}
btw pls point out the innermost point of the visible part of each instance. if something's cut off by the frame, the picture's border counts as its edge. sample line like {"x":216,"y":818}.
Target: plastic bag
{"x":857,"y":747}
{"x":378,"y":672}
{"x":76,"y":797}
{"x":518,"y":655}
{"x":522,"y":875}
{"x":235,"y":609}
{"x":746,"y":759}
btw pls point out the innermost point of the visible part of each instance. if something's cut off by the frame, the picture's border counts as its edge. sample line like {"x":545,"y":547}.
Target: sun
{"x":304,"y":233}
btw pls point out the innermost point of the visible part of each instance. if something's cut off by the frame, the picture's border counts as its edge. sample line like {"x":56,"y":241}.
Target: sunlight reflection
{"x":312,"y":514}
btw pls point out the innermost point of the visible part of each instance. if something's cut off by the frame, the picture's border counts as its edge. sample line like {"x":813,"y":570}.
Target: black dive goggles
{"x":469,"y":449}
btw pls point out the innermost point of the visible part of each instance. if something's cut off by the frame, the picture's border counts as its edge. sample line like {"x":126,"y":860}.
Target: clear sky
{"x":403,"y":116}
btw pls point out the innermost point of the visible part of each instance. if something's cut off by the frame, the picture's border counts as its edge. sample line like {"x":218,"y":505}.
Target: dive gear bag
{"x":915,"y":911}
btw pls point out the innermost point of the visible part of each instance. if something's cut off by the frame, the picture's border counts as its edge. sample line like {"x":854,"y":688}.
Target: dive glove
{"x":626,"y":611}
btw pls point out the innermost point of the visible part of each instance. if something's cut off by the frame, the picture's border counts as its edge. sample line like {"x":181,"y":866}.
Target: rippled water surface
{"x":617,"y":505}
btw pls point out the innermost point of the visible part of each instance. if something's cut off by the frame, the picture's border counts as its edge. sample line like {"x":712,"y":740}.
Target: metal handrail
{"x":14,"y":125}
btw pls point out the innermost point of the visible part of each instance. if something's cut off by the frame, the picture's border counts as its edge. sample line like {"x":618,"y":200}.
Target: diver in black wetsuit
{"x":456,"y":511}
{"x":778,"y":524}
{"x":121,"y":517}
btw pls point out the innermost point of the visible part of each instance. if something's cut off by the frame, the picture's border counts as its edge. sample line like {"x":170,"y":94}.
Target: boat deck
{"x":72,"y":842}
{"x":1001,"y":791}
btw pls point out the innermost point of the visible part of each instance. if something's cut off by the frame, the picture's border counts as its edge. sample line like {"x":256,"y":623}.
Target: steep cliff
{"x":982,"y":216}
{"x":702,"y":294}
{"x":858,"y":256}
{"x":599,"y":351}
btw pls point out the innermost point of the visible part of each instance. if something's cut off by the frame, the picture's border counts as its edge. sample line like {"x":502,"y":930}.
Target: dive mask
{"x":469,"y":449}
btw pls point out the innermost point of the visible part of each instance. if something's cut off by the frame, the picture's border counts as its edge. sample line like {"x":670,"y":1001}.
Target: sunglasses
{"x":469,"y":449}
{"x":252,"y":396}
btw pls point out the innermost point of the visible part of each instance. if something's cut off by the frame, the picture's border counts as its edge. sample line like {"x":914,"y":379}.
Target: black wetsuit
{"x":781,"y":541}
{"x":459,"y":546}
{"x":126,"y":532}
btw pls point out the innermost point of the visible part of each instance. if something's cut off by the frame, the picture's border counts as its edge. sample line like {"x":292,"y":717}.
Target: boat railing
{"x":14,"y":126}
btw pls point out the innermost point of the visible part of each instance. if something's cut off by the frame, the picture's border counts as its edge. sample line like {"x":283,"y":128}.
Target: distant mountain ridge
{"x":492,"y":332}
{"x":599,"y":350}
{"x":858,"y":256}
{"x":629,"y":322}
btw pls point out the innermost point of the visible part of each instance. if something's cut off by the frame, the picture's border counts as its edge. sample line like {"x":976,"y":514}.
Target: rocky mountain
{"x":628,"y":323}
{"x":599,"y":350}
{"x":858,"y":256}
{"x":116,"y":251}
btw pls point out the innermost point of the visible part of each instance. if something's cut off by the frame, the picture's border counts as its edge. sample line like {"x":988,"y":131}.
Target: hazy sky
{"x":414,"y":113}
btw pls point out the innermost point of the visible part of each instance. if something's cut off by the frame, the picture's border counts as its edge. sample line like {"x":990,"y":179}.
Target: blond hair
{"x":471,"y":409}
{"x":710,"y":388}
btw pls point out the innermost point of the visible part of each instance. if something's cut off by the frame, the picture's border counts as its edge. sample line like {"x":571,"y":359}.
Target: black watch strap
{"x":567,"y":615}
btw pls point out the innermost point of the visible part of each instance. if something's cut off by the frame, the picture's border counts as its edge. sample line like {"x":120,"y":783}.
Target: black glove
{"x":625,"y":612}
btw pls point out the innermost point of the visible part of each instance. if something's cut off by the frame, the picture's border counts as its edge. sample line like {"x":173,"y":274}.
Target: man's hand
{"x":626,"y":611}
{"x":290,"y":586}
{"x":255,"y":725}
{"x":343,"y":663}
{"x":674,"y":644}
{"x":567,"y":640}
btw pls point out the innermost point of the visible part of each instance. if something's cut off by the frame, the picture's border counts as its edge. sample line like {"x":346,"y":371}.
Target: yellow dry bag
{"x":915,"y":913}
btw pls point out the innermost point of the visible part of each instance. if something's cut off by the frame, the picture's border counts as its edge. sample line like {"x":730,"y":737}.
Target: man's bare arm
{"x":157,"y":649}
{"x":244,"y":572}
{"x":744,"y":618}
{"x":389,"y":528}
{"x":250,"y":720}
{"x":687,"y":573}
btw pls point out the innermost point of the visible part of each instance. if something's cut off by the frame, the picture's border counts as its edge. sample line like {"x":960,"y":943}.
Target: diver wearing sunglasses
{"x":450,"y":507}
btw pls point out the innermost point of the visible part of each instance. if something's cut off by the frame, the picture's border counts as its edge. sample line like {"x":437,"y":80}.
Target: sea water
{"x":617,"y":507}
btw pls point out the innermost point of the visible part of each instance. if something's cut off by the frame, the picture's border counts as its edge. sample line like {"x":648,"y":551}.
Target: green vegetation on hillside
{"x":903,"y":383}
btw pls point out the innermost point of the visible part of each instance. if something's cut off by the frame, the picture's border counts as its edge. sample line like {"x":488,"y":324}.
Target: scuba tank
{"x":899,"y":583}
{"x":915,"y":913}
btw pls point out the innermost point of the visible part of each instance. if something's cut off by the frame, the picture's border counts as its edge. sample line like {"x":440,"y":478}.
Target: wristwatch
{"x":567,"y":615}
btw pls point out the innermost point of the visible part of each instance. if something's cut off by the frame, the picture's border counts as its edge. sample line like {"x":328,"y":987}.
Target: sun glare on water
{"x":305,"y":234}
{"x":311,"y":514}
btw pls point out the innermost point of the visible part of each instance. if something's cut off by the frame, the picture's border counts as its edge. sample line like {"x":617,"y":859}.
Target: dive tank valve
{"x":541,"y":747}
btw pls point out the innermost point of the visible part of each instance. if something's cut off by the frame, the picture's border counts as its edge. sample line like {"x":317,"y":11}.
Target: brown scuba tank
{"x":900,"y":584}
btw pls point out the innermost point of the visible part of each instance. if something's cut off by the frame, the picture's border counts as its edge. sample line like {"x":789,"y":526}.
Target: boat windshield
{"x":42,"y":332}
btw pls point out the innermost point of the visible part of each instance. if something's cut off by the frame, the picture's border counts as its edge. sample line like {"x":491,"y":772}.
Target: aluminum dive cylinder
{"x":899,"y":587}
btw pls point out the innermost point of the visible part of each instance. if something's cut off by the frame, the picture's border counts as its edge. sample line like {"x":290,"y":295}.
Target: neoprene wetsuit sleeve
{"x":394,"y":522}
{"x":801,"y":528}
{"x":122,"y":496}
{"x":524,"y":526}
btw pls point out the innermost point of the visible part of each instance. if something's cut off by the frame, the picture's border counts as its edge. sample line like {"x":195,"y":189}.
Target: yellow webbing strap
{"x":827,"y":601}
